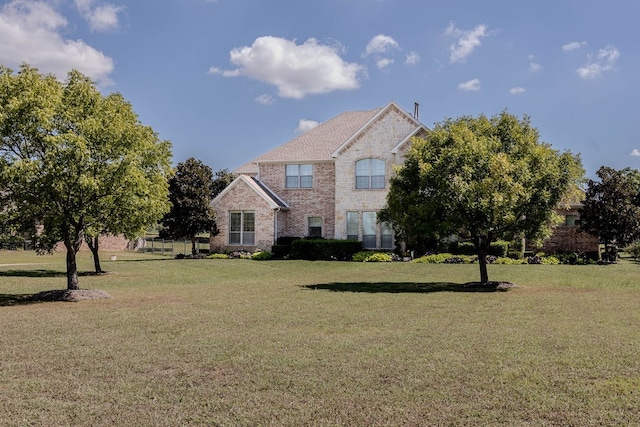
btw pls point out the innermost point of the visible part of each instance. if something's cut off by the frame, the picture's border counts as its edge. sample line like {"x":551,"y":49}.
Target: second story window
{"x":299,"y":176}
{"x":370,"y":173}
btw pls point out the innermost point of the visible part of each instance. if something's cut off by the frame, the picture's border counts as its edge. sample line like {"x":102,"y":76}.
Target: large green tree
{"x":190,"y":191}
{"x":611,"y":207}
{"x":481,"y":179}
{"x":74,"y":162}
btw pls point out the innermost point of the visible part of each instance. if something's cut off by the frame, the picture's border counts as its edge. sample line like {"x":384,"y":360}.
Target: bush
{"x":633,"y":249}
{"x":433,"y":258}
{"x":324,"y":249}
{"x":261,"y":256}
{"x":362,"y":256}
{"x":498,"y":249}
{"x":550,"y":260}
{"x":379,"y":257}
{"x":218,"y":256}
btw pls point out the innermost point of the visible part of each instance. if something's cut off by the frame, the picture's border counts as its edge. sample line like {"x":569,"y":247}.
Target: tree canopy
{"x":190,"y":192}
{"x":481,"y":179}
{"x":74,"y":162}
{"x":611,"y":208}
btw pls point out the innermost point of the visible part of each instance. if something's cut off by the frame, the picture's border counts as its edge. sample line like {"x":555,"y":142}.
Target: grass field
{"x":293,"y":343}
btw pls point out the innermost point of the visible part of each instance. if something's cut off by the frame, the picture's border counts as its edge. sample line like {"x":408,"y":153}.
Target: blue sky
{"x":226,"y":80}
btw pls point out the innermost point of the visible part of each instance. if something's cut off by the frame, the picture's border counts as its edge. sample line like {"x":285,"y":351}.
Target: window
{"x":353,"y":225}
{"x":370,"y":173}
{"x":315,"y":226}
{"x":369,"y":229}
{"x":572,"y":220}
{"x":386,"y":236}
{"x":299,"y":176}
{"x":242,"y":228}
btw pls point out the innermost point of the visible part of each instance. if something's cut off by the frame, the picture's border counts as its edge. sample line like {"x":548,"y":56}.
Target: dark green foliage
{"x":261,"y":256}
{"x":611,"y":208}
{"x":324,"y":249}
{"x":499,"y":249}
{"x":221,"y":179}
{"x":190,"y":193}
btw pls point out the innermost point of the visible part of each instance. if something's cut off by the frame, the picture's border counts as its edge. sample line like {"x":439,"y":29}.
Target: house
{"x":328,"y":182}
{"x":567,"y":236}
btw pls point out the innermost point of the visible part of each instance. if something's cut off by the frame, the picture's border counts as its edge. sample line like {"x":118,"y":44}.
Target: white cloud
{"x":471,"y":85}
{"x":412,"y":58}
{"x":296,"y":70}
{"x":573,"y":46}
{"x":635,"y":152}
{"x":103,"y":17}
{"x":31,"y":32}
{"x":517,"y":90}
{"x":381,"y":47}
{"x":305,"y":125}
{"x":467,"y":41}
{"x":265,"y":100}
{"x":605,"y":60}
{"x":381,"y":44}
{"x":533,"y":65}
{"x":384,"y":62}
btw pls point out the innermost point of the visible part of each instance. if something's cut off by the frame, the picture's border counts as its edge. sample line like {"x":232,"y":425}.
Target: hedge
{"x":324,"y":249}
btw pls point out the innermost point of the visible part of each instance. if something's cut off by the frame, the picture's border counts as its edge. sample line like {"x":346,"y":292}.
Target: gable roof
{"x":318,"y":144}
{"x":327,"y":140}
{"x":259,"y":188}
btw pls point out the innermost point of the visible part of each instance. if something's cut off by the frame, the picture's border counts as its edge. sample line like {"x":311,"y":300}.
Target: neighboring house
{"x":328,"y":182}
{"x":568,"y":237}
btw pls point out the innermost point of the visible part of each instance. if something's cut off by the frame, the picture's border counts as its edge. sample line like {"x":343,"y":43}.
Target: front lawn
{"x":247,"y":343}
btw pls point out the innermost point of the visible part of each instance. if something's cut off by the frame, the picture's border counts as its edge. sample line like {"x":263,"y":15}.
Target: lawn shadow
{"x":45,"y":273}
{"x":9,"y":300}
{"x":409,"y":287}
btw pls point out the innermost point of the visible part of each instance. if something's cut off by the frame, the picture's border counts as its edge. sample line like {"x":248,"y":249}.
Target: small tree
{"x":482,"y":179}
{"x":73,"y":161}
{"x":190,"y":193}
{"x":611,"y":208}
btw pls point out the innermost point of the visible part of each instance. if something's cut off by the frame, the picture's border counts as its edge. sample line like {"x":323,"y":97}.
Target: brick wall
{"x":317,"y":201}
{"x":243,"y":198}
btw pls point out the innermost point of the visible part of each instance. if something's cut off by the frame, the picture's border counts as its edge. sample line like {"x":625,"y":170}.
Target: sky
{"x":227,"y":80}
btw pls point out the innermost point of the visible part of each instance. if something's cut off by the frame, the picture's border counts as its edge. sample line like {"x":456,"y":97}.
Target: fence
{"x":171,"y":247}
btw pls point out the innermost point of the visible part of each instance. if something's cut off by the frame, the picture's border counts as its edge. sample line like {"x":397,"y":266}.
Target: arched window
{"x":370,"y":173}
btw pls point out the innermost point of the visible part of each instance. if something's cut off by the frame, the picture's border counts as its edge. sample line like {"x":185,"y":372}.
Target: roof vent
{"x":416,"y":110}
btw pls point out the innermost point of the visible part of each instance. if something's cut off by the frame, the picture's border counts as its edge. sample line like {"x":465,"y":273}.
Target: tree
{"x":482,"y":179}
{"x":221,"y":179}
{"x":190,"y":193}
{"x":74,"y":162}
{"x":611,"y":208}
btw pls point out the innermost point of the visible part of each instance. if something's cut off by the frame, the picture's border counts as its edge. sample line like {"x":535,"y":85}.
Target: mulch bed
{"x":489,"y":286}
{"x":69,"y":295}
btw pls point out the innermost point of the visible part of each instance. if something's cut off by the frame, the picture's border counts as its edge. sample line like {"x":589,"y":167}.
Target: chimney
{"x":416,"y":110}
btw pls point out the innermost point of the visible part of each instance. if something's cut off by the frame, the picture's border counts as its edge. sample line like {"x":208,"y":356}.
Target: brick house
{"x":568,"y":237}
{"x":328,"y":182}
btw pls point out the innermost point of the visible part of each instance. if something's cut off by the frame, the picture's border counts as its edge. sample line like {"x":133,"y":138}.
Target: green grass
{"x":248,"y":343}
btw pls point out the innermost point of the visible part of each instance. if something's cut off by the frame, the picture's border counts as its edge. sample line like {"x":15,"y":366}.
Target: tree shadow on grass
{"x":9,"y":300}
{"x":45,"y":273}
{"x":410,"y":287}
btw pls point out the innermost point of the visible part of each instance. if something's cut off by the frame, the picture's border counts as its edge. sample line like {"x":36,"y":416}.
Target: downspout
{"x":275,"y":225}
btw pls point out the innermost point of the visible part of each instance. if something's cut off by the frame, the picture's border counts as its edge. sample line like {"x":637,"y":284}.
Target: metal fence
{"x":172,"y":247}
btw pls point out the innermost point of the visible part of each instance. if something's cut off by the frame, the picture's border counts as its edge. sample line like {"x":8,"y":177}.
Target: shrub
{"x":324,"y":249}
{"x":261,"y":256}
{"x":362,"y":256}
{"x":379,"y":257}
{"x":550,"y":260}
{"x":218,"y":256}
{"x":433,"y":258}
{"x":633,"y":249}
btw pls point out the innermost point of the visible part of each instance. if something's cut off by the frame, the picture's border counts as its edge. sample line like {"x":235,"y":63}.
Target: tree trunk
{"x":481,"y":250}
{"x":72,"y":266}
{"x":93,"y":244}
{"x":194,"y":251}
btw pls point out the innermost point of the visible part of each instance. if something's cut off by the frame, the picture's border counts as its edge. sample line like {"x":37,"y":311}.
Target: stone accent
{"x":377,"y":142}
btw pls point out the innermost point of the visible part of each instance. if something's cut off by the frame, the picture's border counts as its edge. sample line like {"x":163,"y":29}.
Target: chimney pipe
{"x":416,"y":110}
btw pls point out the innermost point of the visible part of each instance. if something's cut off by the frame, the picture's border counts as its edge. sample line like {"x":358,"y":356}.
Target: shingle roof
{"x":320,"y":142}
